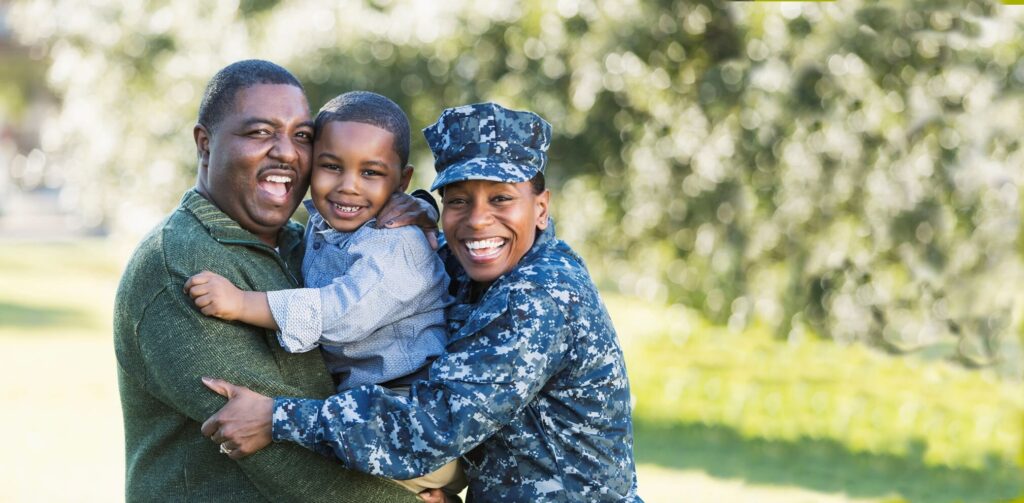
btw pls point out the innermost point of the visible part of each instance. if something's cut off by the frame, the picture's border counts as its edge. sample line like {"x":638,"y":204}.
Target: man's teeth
{"x":279,"y":179}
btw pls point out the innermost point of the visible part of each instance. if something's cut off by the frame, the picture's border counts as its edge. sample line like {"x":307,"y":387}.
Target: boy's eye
{"x":371,"y":172}
{"x":331,"y":167}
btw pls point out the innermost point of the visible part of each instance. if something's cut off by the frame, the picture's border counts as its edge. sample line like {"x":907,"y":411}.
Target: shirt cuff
{"x":299,"y":315}
{"x":297,"y":420}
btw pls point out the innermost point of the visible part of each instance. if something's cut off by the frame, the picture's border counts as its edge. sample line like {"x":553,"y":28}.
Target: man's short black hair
{"x":220,"y":92}
{"x":368,"y":108}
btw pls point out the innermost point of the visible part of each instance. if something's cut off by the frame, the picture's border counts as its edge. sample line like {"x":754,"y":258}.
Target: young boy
{"x":375,"y":298}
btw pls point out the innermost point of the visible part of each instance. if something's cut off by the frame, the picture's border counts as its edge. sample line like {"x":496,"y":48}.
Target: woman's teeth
{"x":485,"y":247}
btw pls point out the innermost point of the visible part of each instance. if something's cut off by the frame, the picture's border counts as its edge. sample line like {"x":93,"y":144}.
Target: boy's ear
{"x":202,"y":137}
{"x":541,"y":205}
{"x":405,"y":178}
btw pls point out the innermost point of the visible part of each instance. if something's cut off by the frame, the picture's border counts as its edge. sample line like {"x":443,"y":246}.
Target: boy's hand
{"x":216,"y":296}
{"x":403,"y":209}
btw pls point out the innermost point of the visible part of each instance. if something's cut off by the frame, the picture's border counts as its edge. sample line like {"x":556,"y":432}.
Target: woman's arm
{"x":473,"y":392}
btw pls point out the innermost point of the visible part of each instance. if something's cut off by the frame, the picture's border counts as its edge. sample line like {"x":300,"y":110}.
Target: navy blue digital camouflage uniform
{"x":532,"y":388}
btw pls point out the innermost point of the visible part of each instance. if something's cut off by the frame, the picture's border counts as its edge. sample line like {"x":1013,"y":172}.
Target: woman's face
{"x":490,"y":225}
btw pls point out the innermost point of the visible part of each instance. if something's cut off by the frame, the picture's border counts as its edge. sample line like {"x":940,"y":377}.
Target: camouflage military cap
{"x":486,"y":141}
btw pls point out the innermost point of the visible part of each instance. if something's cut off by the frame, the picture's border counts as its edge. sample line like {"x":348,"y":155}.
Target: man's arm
{"x":177,"y":355}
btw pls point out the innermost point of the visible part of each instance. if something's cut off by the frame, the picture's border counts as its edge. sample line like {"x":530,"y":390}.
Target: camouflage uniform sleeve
{"x":475,"y":389}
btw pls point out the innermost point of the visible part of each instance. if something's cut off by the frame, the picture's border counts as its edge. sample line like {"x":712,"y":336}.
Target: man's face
{"x":491,"y":225}
{"x":355,"y":171}
{"x":254,"y":164}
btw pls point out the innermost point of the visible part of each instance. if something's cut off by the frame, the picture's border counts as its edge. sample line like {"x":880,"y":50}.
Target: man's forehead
{"x":271,"y":102}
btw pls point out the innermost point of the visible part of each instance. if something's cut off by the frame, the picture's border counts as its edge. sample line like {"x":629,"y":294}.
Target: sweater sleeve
{"x":179,"y":346}
{"x":474,"y":390}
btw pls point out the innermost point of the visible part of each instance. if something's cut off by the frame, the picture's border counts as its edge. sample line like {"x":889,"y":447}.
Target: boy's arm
{"x":215,"y":296}
{"x":391,"y":271}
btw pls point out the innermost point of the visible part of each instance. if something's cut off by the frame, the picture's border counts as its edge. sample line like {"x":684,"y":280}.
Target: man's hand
{"x":216,"y":296}
{"x":403,"y":209}
{"x":243,"y":426}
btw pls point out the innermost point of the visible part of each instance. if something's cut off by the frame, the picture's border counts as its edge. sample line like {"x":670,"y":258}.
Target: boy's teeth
{"x":346,"y":209}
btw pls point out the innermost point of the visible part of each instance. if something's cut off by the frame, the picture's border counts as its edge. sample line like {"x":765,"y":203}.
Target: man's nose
{"x":285,"y":150}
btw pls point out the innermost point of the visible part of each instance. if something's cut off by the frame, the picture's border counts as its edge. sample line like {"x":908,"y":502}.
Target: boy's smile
{"x":355,"y":171}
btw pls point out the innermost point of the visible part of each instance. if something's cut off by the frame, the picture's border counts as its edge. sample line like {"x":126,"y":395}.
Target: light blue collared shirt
{"x":374,"y":302}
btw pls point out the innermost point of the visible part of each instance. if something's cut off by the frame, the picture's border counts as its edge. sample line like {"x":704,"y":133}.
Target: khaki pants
{"x":448,"y":478}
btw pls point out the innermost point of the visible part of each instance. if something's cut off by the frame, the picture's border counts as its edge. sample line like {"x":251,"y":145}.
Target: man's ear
{"x":406,"y":177}
{"x":202,"y":137}
{"x":541,"y":205}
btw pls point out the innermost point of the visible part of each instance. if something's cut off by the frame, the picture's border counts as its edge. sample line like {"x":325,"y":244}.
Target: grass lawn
{"x":719,"y":416}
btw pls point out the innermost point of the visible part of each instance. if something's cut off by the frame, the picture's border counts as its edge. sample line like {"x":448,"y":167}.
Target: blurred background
{"x":805,"y":217}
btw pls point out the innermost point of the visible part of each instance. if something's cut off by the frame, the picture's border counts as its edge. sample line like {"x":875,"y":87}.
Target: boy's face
{"x":355,"y":171}
{"x":491,"y":225}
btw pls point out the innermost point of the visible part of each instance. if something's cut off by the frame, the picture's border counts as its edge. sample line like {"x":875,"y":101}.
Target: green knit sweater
{"x":164,"y":346}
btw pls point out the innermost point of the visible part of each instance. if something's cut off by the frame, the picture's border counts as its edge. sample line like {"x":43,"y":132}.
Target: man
{"x":253,"y":141}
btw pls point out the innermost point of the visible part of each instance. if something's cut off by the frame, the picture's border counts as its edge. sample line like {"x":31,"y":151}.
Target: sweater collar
{"x":225,"y":230}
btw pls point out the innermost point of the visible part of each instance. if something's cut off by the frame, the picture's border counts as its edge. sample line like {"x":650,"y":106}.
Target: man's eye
{"x":501,"y":199}
{"x":261,"y":132}
{"x":305,"y":136}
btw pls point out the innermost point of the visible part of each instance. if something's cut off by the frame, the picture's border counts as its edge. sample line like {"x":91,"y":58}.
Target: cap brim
{"x":484,"y":169}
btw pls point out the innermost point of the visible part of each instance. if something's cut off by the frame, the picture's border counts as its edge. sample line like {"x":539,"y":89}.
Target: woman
{"x":532,"y":389}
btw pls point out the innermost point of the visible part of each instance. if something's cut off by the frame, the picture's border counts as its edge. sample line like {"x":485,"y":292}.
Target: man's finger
{"x":220,"y":387}
{"x":432,"y":239}
{"x":210,"y":426}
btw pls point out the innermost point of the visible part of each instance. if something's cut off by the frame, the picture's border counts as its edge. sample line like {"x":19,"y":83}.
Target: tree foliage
{"x":847,"y":169}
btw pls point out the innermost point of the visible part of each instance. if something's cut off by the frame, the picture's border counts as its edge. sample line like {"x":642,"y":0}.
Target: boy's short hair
{"x":220,"y":92}
{"x":368,"y":108}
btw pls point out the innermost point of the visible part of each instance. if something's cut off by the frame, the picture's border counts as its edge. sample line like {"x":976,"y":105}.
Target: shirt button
{"x":316,"y":246}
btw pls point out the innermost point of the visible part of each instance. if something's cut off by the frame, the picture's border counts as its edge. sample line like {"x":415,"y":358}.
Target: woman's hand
{"x":243,"y":426}
{"x":403,"y":209}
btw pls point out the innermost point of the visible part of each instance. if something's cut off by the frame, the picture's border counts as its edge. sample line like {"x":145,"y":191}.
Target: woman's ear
{"x":541,"y":207}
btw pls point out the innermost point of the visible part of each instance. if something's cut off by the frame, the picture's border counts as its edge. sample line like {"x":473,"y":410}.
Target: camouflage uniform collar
{"x":225,"y":230}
